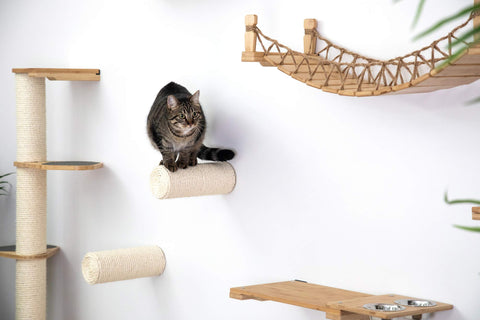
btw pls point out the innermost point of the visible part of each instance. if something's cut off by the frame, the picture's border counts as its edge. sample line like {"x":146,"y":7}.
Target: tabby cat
{"x":176,"y":127}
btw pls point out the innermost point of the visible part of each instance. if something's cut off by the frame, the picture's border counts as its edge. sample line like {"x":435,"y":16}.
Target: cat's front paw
{"x":172,"y":166}
{"x":182,"y":164}
{"x":193,"y":162}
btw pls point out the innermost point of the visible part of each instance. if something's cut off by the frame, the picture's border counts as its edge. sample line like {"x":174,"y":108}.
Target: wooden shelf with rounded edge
{"x":60,"y":165}
{"x":61,"y":74}
{"x":476,"y":213}
{"x":9,"y":252}
{"x":339,"y":304}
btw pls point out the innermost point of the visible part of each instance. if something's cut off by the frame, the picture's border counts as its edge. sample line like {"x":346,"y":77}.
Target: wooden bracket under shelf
{"x":9,"y":252}
{"x":338,"y":304}
{"x":59,"y":165}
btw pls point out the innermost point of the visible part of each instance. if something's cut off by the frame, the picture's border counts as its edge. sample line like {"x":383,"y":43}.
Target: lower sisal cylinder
{"x":202,"y":179}
{"x":31,"y":226}
{"x":31,"y":289}
{"x":123,"y":264}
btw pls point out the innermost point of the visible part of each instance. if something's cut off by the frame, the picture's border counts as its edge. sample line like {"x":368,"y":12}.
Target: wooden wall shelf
{"x":60,"y":165}
{"x":338,"y":304}
{"x":61,"y":74}
{"x":9,"y":252}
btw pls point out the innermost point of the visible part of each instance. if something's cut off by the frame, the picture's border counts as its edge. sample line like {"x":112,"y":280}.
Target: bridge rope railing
{"x":328,"y":61}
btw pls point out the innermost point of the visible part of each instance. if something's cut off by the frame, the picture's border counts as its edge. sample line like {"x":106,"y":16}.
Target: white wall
{"x":339,"y":191}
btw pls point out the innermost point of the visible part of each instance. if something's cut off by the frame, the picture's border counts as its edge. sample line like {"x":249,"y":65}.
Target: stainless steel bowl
{"x":415,"y":303}
{"x":385,"y":307}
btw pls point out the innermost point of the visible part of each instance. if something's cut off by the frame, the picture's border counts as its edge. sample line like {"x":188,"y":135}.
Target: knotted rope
{"x":360,"y":70}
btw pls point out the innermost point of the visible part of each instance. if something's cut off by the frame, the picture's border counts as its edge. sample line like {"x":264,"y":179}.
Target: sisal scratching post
{"x":31,"y":198}
{"x":202,"y":179}
{"x":123,"y":264}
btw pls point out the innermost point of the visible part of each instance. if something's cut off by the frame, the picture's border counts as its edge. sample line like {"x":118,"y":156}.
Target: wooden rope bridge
{"x":334,"y":69}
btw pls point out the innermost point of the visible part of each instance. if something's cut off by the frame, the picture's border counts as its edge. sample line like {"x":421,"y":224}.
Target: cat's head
{"x":185,"y":115}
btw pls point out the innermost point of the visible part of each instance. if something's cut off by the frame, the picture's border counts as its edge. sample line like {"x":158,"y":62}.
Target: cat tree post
{"x":309,"y":39}
{"x":31,"y":203}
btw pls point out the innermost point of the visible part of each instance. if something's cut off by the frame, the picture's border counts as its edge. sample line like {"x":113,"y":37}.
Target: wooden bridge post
{"x":250,"y":54}
{"x":309,"y":39}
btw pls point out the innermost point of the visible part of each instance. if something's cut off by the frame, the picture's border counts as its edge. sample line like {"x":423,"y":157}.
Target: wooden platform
{"x":61,"y":74}
{"x":9,"y":252}
{"x":338,"y":304}
{"x":60,"y":165}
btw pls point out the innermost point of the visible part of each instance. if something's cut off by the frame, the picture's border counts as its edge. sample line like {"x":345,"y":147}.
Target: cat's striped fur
{"x":176,"y":127}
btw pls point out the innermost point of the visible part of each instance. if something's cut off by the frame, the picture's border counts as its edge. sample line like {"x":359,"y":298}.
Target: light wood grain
{"x":9,"y":252}
{"x":446,"y":81}
{"x":309,"y":39}
{"x":60,"y":165}
{"x":61,"y":74}
{"x":250,"y":36}
{"x":252,"y":56}
{"x":296,"y":293}
{"x":476,"y":213}
{"x":356,"y":306}
{"x":420,"y":89}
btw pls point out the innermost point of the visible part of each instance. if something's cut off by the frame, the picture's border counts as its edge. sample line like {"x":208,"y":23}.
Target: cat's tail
{"x":215,"y":154}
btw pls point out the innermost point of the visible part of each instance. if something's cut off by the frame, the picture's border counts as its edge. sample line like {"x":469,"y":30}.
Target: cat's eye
{"x":182,"y":116}
{"x":195,"y":113}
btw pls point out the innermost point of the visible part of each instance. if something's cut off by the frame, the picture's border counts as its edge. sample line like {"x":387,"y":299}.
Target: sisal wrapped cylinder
{"x":200,"y":180}
{"x":31,"y":289}
{"x":31,"y":275}
{"x":123,"y":264}
{"x":31,"y":227}
{"x":31,"y":118}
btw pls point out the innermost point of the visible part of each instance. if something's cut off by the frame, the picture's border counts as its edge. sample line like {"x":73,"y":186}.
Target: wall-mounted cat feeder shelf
{"x":339,"y":304}
{"x":203,"y":179}
{"x":31,"y":250}
{"x":334,"y":69}
{"x":476,"y":213}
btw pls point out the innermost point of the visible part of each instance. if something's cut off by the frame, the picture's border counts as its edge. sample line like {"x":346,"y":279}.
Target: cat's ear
{"x":172,"y":102}
{"x":195,"y":99}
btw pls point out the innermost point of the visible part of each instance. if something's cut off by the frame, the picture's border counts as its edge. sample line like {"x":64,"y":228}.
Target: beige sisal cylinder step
{"x":202,"y":179}
{"x":123,"y":264}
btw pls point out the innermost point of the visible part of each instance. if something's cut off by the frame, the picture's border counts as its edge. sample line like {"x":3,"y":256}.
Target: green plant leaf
{"x":473,"y":229}
{"x":7,"y":174}
{"x":418,"y":13}
{"x":473,"y":101}
{"x":471,"y":201}
{"x":464,"y":37}
{"x":459,"y":14}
